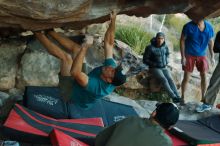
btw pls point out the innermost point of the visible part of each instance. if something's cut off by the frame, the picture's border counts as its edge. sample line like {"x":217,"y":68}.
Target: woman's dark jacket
{"x":156,"y":57}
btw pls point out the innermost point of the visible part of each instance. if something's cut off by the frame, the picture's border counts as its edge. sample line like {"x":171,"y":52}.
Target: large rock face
{"x":38,"y":68}
{"x":41,"y":14}
{"x":10,"y":52}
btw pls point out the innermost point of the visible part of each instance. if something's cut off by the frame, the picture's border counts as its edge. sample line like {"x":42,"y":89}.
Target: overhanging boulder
{"x":35,"y":15}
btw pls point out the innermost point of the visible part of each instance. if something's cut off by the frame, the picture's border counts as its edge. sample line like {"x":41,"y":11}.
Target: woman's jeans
{"x":163,"y":77}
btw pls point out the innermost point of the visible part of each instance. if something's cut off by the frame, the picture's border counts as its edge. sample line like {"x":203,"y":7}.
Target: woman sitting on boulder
{"x":156,"y":57}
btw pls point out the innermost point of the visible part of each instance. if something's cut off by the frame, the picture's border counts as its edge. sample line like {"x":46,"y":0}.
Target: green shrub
{"x":175,"y":42}
{"x":215,"y":23}
{"x":134,"y":36}
{"x":175,"y":22}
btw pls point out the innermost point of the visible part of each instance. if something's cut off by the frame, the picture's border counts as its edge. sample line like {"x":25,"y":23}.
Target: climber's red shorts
{"x":200,"y":62}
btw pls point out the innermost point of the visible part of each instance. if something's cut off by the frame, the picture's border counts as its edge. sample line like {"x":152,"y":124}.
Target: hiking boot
{"x":203,"y":107}
{"x":182,"y":102}
{"x":176,"y":100}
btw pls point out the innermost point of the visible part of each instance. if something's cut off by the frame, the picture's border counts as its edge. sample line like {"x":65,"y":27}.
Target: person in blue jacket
{"x":156,"y":57}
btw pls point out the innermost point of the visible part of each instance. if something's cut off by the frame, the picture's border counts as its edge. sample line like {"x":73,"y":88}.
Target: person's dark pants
{"x":214,"y":86}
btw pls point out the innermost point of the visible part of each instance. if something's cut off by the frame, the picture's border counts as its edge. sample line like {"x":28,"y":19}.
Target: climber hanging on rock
{"x":84,"y":89}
